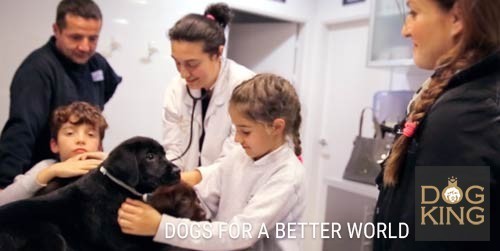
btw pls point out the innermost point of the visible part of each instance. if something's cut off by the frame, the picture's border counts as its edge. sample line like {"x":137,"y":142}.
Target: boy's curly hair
{"x":78,"y":113}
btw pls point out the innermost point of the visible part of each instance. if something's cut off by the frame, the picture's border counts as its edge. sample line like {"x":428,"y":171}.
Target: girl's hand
{"x":138,"y":218}
{"x":191,"y":177}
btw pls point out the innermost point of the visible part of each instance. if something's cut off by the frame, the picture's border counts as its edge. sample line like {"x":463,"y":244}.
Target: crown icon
{"x":452,"y":194}
{"x":452,"y":181}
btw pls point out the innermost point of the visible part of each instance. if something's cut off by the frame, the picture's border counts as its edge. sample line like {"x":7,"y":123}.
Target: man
{"x":64,"y":70}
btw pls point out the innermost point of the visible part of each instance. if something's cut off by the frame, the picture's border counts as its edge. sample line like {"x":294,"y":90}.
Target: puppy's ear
{"x":122,"y":163}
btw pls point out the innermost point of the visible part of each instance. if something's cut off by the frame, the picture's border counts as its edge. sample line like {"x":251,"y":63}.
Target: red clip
{"x":409,"y":129}
{"x":300,"y":159}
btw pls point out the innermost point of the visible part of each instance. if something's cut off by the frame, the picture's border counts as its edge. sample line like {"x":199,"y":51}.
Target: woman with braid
{"x":455,"y":118}
{"x":260,"y":183}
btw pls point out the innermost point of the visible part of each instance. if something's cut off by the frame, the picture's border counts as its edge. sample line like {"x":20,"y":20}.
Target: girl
{"x":258,"y":184}
{"x":196,"y":127}
{"x":453,"y":121}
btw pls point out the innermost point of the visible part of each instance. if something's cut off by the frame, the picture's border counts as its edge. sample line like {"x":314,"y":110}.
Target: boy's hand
{"x":69,"y":169}
{"x":89,"y":155}
{"x":75,"y":166}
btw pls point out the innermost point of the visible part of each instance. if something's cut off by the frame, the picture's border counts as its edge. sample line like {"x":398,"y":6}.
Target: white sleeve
{"x":24,"y":185}
{"x":282,"y":196}
{"x":208,"y":190}
{"x":171,"y":121}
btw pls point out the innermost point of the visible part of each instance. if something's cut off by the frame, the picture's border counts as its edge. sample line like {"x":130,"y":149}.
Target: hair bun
{"x":221,"y":12}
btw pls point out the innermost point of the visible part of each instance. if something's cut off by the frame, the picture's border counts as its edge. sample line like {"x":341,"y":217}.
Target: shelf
{"x":391,"y":62}
{"x":337,"y":21}
{"x":392,"y":13}
{"x":386,"y":46}
{"x":354,"y":187}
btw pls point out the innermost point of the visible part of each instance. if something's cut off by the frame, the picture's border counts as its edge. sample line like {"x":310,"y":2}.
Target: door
{"x":349,"y":86}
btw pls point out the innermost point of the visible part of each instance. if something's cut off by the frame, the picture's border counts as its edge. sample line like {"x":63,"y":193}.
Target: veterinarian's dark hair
{"x":78,"y":113}
{"x":480,"y":37}
{"x":207,"y":28}
{"x":82,"y":8}
{"x":267,"y":97}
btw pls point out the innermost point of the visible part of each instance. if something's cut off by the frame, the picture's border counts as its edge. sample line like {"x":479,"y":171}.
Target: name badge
{"x":97,"y":76}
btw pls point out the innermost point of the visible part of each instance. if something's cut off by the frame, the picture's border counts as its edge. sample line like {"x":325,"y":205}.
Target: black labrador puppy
{"x":83,"y":214}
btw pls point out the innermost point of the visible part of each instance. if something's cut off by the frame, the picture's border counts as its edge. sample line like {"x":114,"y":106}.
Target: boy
{"x":77,"y":131}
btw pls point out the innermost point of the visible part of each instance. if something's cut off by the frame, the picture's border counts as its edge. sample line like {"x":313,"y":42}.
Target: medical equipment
{"x":195,"y":100}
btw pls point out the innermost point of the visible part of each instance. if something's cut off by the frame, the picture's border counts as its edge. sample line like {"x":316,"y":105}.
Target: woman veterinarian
{"x":197,"y":129}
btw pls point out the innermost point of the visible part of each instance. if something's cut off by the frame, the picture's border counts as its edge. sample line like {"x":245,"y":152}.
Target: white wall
{"x":265,"y":47}
{"x":23,"y":29}
{"x":292,"y":10}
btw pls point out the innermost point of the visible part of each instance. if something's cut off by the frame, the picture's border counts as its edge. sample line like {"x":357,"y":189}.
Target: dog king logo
{"x":452,"y":194}
{"x":454,"y":211}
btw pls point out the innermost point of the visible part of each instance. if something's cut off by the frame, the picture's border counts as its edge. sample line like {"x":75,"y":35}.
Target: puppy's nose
{"x":176,"y":171}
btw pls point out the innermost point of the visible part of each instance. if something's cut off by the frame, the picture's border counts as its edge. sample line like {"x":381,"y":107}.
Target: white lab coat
{"x":219,"y":132}
{"x":242,"y":192}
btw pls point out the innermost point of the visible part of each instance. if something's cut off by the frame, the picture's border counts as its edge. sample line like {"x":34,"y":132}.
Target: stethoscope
{"x":195,"y":100}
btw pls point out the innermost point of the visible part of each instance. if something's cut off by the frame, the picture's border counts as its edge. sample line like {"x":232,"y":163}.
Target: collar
{"x":221,"y":83}
{"x":424,"y":86}
{"x":64,"y":60}
{"x":145,"y":196}
{"x":274,"y":156}
{"x":483,"y":67}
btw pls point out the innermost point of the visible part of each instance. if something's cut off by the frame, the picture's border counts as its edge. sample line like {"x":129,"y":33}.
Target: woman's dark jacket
{"x":462,"y":128}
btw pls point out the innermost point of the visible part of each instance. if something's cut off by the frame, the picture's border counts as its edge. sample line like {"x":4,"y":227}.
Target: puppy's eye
{"x":150,"y":156}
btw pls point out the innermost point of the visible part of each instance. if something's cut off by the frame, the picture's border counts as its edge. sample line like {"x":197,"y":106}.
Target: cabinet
{"x":386,"y":45}
{"x":349,"y":202}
